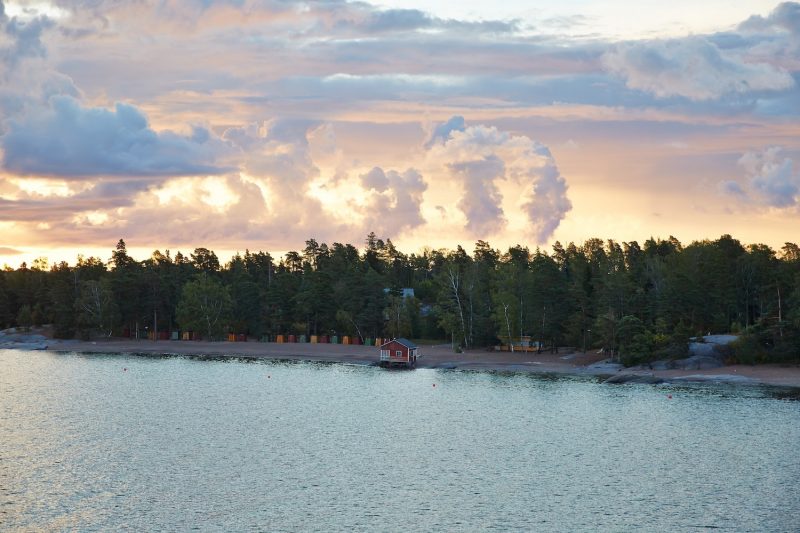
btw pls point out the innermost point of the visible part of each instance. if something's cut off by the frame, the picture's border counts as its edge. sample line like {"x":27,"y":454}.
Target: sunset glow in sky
{"x":260,"y":124}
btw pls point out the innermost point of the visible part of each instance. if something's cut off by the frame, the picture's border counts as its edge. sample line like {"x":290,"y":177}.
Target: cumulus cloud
{"x":276,"y":181}
{"x":441,"y":132}
{"x":785,"y":16}
{"x":398,"y":20}
{"x":481,"y":201}
{"x":375,"y":179}
{"x":775,"y":38}
{"x":772,"y":177}
{"x":482,"y":157}
{"x":549,"y":204}
{"x":26,"y":38}
{"x":277,"y":153}
{"x":691,"y":67}
{"x":414,"y":19}
{"x":772,"y":180}
{"x":394,"y":200}
{"x":46,"y":129}
{"x":68,"y":139}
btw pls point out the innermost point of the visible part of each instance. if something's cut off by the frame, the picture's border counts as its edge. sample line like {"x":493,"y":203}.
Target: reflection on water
{"x":107,"y":443}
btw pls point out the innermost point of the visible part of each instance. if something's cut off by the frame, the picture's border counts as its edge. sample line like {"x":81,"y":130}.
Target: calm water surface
{"x":175,"y":444}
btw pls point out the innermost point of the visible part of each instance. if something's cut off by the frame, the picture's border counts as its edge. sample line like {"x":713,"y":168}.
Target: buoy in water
{"x":434,"y":384}
{"x":669,"y":396}
{"x":124,"y":369}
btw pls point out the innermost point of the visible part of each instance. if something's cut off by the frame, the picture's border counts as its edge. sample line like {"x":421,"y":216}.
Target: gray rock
{"x":664,"y":364}
{"x":697,"y":362}
{"x":710,"y":344}
{"x":716,"y":378}
{"x":23,"y":346}
{"x":701,"y":349}
{"x":23,"y":337}
{"x":605,"y":367}
{"x":621,"y":379}
{"x":722,"y":340}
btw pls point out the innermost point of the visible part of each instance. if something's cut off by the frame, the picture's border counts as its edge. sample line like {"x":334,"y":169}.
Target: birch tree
{"x":205,"y":306}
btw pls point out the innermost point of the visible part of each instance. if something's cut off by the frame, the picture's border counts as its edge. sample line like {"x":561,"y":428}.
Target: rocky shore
{"x":693,"y":369}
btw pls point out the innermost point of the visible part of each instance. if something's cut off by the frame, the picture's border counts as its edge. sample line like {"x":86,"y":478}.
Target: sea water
{"x":135,"y":443}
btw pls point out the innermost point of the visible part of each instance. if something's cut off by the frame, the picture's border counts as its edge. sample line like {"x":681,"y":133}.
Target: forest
{"x":638,"y":302}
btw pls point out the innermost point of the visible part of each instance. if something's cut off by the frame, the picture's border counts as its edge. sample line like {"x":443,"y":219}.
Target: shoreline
{"x":443,"y":357}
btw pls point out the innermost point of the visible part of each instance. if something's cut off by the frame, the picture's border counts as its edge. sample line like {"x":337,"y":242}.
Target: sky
{"x":258,"y":125}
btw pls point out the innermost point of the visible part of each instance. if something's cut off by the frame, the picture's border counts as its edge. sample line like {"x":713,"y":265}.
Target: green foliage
{"x":399,"y":315}
{"x":96,"y":308}
{"x":5,"y":303}
{"x":639,"y":349}
{"x":25,"y":318}
{"x":639,"y":303}
{"x":205,"y":306}
{"x":748,"y":350}
{"x":767,"y":343}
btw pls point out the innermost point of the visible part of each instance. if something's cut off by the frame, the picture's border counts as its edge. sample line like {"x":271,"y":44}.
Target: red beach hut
{"x":399,"y":352}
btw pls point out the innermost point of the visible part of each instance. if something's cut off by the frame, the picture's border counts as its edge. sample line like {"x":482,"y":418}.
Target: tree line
{"x":642,"y":302}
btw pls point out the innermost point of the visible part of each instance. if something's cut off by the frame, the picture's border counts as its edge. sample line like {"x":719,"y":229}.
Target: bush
{"x":747,"y":350}
{"x":25,"y":318}
{"x":638,"y":350}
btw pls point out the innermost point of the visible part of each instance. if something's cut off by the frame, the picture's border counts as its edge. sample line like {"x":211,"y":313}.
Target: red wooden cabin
{"x":399,"y":352}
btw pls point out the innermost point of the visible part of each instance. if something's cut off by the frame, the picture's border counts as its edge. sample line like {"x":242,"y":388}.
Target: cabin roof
{"x":405,"y":342}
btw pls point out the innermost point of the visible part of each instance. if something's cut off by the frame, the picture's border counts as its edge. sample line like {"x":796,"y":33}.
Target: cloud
{"x":414,"y":19}
{"x":481,"y":200}
{"x":394,"y":200}
{"x":46,"y":130}
{"x":5,"y":250}
{"x":733,"y":188}
{"x":70,"y":140}
{"x":375,"y":179}
{"x":277,"y":153}
{"x":785,"y":16}
{"x":480,"y":158}
{"x":398,"y":20}
{"x":441,"y":133}
{"x":549,"y":204}
{"x":26,"y":39}
{"x":692,"y":68}
{"x":772,"y":179}
{"x":277,"y":77}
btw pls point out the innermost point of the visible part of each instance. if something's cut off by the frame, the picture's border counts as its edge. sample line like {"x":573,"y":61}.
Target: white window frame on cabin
{"x":398,"y":353}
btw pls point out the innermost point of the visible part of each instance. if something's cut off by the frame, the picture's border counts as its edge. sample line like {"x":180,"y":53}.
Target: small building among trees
{"x":399,"y":352}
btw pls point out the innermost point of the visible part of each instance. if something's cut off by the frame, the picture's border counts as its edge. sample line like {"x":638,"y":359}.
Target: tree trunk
{"x":508,"y":325}
{"x":454,"y":284}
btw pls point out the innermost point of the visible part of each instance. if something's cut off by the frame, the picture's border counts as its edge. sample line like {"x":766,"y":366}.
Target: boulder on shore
{"x":697,"y":362}
{"x":663,"y":364}
{"x":604,"y":367}
{"x":14,"y":339}
{"x":716,"y":378}
{"x":621,"y":379}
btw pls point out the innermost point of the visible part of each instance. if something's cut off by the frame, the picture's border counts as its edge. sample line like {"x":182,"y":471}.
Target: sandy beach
{"x":441,"y":356}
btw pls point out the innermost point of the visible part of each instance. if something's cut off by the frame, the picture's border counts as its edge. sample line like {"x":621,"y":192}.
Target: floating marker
{"x":124,"y":369}
{"x":669,"y":396}
{"x":434,"y":384}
